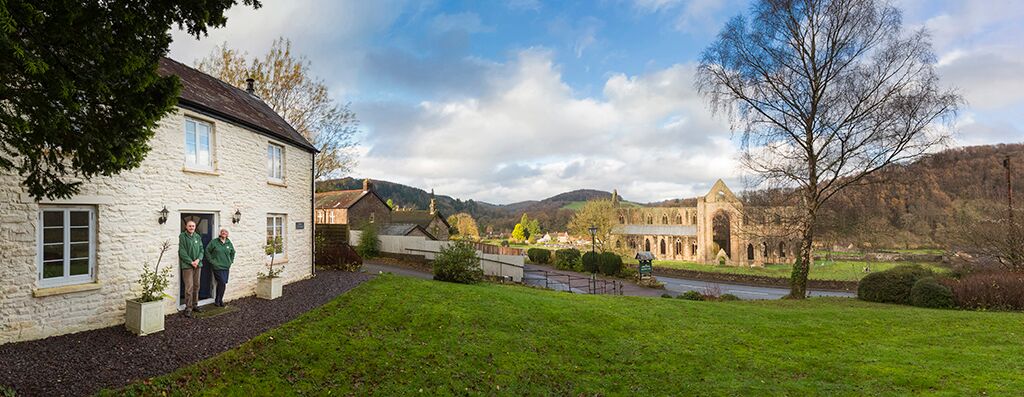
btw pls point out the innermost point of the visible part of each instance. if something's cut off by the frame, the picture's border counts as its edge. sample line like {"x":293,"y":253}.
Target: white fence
{"x":510,"y":266}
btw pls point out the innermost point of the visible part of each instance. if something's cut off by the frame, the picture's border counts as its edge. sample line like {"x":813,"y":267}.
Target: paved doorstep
{"x":86,"y":362}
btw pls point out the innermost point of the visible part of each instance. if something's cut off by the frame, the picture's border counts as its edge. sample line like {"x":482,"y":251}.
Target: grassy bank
{"x":400,"y":336}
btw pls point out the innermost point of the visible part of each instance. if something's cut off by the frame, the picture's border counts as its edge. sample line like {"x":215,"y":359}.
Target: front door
{"x":206,"y":228}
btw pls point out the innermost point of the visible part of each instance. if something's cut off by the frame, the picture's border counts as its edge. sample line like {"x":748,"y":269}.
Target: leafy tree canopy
{"x":80,"y":94}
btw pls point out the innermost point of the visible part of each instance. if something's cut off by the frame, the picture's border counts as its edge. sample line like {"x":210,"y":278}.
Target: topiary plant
{"x":610,"y":264}
{"x":590,"y":261}
{"x":927,"y":292}
{"x":458,"y":263}
{"x":893,"y":285}
{"x":691,"y":296}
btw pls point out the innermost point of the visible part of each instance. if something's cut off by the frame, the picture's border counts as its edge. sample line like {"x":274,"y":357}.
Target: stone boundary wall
{"x":404,"y":247}
{"x":750,"y":279}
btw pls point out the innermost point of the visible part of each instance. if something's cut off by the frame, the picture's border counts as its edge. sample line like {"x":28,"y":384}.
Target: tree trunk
{"x":798,"y":281}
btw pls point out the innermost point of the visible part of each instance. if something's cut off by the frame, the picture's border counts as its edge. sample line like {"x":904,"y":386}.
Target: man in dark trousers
{"x":221,"y":254}
{"x":190,"y":258}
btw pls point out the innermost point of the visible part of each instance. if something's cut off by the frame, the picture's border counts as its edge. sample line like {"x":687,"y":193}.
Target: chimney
{"x":367,"y":185}
{"x":250,"y":86}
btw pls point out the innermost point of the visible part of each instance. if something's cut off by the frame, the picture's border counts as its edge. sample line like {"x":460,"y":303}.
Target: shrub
{"x":610,"y":264}
{"x":691,"y":296}
{"x":666,"y":295}
{"x":728,"y":297}
{"x":893,"y":285}
{"x":927,"y":292}
{"x":154,"y":281}
{"x":989,"y":291}
{"x":369,"y":242}
{"x":458,"y":263}
{"x":539,"y":255}
{"x":590,"y":261}
{"x":568,"y":259}
{"x":504,"y":243}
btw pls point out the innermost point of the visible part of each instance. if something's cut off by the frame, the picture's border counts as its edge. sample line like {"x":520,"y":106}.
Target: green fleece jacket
{"x":190,"y":248}
{"x":221,"y":255}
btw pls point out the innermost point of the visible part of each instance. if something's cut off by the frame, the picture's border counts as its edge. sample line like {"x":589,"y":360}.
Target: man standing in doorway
{"x":190,"y":258}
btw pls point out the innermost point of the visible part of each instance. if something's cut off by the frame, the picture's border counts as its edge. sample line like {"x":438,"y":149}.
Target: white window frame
{"x":275,"y":162}
{"x":210,"y":137}
{"x":67,"y":278}
{"x":280,"y":223}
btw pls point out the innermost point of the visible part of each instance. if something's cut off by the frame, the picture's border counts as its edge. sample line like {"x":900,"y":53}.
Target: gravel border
{"x":86,"y":362}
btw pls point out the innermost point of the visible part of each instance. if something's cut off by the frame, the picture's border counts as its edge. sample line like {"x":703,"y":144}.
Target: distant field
{"x":396,"y":336}
{"x":837,"y":270}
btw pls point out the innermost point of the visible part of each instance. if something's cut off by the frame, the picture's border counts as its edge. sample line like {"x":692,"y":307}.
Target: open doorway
{"x":206,"y":226}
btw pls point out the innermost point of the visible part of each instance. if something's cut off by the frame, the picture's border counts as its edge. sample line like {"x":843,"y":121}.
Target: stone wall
{"x":128,"y":234}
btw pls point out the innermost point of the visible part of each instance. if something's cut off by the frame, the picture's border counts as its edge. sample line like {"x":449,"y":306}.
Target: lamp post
{"x":593,"y":238}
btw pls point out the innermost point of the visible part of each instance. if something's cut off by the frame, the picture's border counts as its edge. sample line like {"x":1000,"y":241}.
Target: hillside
{"x":397,"y":336}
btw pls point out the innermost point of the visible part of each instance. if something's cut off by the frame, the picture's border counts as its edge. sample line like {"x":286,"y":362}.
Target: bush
{"x":539,"y":256}
{"x":988,"y":291}
{"x":369,"y":243}
{"x":691,"y":296}
{"x":893,"y":285}
{"x":927,"y":292}
{"x":591,"y":261}
{"x":458,"y":263}
{"x":568,"y":259}
{"x":728,"y":297}
{"x":665,"y":295}
{"x":610,"y":264}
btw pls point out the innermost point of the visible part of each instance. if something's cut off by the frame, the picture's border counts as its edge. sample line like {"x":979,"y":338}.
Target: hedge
{"x":893,"y":285}
{"x":927,"y":292}
{"x":568,"y":259}
{"x":610,"y":264}
{"x":590,"y":261}
{"x":539,"y":256}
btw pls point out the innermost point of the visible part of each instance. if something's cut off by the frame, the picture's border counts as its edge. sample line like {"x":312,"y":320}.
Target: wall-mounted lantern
{"x":163,"y":215}
{"x":237,"y":217}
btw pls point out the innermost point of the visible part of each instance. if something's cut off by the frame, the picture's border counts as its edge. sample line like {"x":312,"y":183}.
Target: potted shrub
{"x":269,"y":284}
{"x":144,"y":315}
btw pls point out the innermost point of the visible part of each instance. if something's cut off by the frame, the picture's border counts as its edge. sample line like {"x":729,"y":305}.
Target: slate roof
{"x":402,"y":229}
{"x":338,"y":198}
{"x":209,"y":95}
{"x":419,"y":217}
{"x":656,"y":230}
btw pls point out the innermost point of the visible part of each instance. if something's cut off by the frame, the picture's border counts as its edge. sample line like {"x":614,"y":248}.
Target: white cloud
{"x":527,"y":136}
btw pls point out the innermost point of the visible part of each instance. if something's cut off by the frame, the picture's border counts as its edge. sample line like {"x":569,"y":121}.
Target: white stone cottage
{"x":222,"y":158}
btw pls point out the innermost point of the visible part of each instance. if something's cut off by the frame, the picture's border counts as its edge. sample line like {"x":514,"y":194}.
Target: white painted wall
{"x":492,"y":264}
{"x":129,"y":236}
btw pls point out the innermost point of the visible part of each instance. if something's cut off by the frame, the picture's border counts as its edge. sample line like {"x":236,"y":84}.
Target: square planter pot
{"x":269,"y":288}
{"x":144,"y":318}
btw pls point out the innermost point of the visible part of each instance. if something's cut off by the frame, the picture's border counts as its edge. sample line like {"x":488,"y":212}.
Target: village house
{"x":355,"y":208}
{"x":222,"y":158}
{"x":431,"y":220}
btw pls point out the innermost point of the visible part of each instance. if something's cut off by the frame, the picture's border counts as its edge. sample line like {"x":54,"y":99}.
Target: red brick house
{"x":355,"y":208}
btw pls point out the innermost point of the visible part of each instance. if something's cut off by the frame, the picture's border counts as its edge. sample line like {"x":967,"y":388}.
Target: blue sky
{"x":508,"y":101}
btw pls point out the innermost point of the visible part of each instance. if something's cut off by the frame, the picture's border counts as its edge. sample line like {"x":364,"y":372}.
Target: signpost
{"x":646,"y":269}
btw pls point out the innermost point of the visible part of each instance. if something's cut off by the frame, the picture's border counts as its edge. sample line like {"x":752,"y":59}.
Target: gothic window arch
{"x":782,"y":249}
{"x":650,"y":220}
{"x":679,"y":219}
{"x":622,"y":219}
{"x":647,"y":245}
{"x":663,"y":246}
{"x":618,"y":244}
{"x":764,"y":249}
{"x":693,"y":249}
{"x":750,"y":252}
{"x":664,"y":219}
{"x":678,"y":248}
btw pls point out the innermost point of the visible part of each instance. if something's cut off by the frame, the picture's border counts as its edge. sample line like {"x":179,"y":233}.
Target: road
{"x":673,"y":286}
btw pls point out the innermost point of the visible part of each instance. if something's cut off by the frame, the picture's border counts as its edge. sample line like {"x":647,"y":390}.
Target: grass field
{"x":837,"y":270}
{"x":400,"y":336}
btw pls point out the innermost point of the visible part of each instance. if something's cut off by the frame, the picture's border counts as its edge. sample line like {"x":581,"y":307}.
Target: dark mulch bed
{"x":86,"y":362}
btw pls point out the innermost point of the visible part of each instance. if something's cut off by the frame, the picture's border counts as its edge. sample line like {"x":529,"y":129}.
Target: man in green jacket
{"x":190,"y":258}
{"x":221,"y":254}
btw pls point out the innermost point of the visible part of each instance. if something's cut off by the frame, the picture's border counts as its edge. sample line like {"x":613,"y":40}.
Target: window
{"x":275,"y":162}
{"x":67,"y":245}
{"x":275,"y":230}
{"x":198,"y":144}
{"x":664,"y":219}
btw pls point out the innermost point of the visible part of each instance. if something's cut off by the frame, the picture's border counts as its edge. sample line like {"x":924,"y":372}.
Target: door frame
{"x":214,"y":229}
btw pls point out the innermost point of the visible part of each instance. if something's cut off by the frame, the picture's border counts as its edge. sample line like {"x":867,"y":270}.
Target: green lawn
{"x":401,"y":336}
{"x":837,"y":270}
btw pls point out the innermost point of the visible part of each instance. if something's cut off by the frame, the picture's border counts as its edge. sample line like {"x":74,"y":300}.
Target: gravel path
{"x":86,"y":362}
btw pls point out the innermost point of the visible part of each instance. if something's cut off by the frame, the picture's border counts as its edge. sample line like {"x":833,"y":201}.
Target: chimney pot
{"x":250,"y":86}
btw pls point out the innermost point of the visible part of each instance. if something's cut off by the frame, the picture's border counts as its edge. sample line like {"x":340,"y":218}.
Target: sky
{"x":524,"y":99}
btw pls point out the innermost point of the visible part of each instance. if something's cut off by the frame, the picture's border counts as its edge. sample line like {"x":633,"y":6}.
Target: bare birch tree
{"x":285,"y":82}
{"x":824,"y":93}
